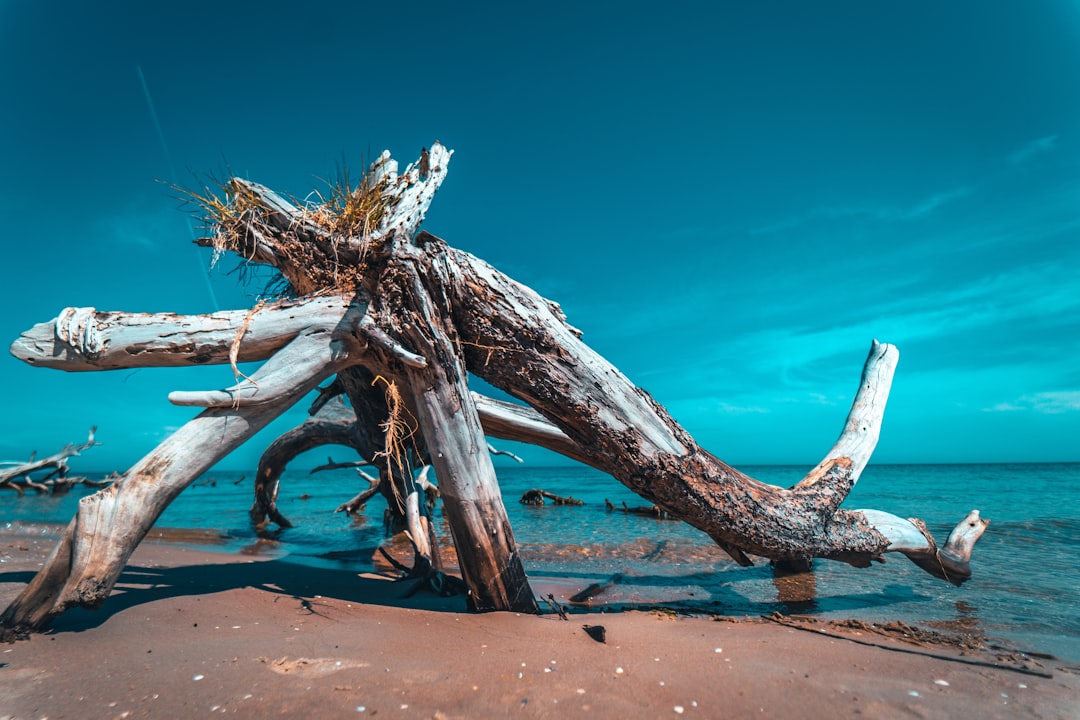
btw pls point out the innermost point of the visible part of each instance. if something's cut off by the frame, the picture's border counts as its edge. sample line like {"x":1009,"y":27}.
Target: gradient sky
{"x":731,"y":199}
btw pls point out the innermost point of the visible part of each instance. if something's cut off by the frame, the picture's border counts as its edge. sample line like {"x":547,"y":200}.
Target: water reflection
{"x":796,"y":586}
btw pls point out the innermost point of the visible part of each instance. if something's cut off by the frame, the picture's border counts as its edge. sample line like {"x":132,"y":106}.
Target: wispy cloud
{"x":930,"y":204}
{"x":141,"y":224}
{"x":888,"y":214}
{"x":797,"y":361}
{"x":729,"y":409}
{"x":1033,"y":149}
{"x":1046,"y":403}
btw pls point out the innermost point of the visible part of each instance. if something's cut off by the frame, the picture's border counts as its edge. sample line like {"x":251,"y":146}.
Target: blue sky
{"x":731,"y":199}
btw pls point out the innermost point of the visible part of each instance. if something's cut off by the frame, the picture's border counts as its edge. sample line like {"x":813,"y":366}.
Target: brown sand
{"x":190,"y":633}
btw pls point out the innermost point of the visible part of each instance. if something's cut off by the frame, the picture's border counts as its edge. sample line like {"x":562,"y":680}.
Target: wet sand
{"x":196,"y":633}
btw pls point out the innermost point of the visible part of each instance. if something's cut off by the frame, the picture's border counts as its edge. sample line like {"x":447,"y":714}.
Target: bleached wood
{"x":903,"y":536}
{"x":472,"y":502}
{"x":283,"y":378}
{"x":110,"y":524}
{"x":495,"y":451}
{"x":510,"y":421}
{"x":413,"y":191}
{"x":862,"y":428}
{"x":962,"y":539}
{"x":84,"y":339}
{"x":440,"y":314}
{"x":352,"y":506}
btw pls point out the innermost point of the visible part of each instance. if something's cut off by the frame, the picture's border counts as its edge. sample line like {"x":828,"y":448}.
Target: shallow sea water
{"x":1025,"y":588}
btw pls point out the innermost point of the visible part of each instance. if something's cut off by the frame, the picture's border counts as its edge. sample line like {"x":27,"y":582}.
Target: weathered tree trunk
{"x":488,"y":556}
{"x":386,"y":306}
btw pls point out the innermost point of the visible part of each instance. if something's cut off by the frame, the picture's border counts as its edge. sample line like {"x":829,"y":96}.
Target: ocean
{"x":1025,"y":588}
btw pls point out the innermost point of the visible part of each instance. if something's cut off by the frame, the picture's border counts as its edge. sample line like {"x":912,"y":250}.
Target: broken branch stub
{"x":379,"y":300}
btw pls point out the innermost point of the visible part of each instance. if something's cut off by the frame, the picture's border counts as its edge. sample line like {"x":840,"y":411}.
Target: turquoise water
{"x":1025,"y":588}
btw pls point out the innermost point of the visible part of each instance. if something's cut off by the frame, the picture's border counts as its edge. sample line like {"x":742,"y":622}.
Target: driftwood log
{"x":399,"y":319}
{"x":646,"y":510}
{"x":537,"y":497}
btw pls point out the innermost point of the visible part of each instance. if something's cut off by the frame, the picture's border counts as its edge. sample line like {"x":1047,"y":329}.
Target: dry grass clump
{"x":317,"y":246}
{"x":351,"y":212}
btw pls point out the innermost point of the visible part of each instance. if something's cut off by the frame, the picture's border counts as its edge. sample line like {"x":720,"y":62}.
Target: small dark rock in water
{"x":596,"y":632}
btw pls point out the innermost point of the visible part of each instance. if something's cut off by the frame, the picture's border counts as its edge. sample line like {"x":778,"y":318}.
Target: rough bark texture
{"x":402,"y":319}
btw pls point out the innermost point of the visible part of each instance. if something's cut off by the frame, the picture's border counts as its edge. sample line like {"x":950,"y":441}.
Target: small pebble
{"x":718,"y":650}
{"x":581,"y":691}
{"x":679,"y":709}
{"x":360,"y":708}
{"x":1021,"y":685}
{"x":197,"y":678}
{"x":618,"y":671}
{"x":943,"y":683}
{"x":913,"y":693}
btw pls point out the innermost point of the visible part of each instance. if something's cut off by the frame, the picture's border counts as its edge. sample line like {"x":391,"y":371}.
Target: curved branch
{"x":310,"y":354}
{"x":910,"y":537}
{"x":352,"y":506}
{"x":333,"y":424}
{"x":863,"y":425}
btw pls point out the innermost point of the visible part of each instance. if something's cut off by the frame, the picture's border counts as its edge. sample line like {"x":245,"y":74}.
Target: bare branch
{"x":494,"y":451}
{"x":310,"y":355}
{"x":82,"y":339}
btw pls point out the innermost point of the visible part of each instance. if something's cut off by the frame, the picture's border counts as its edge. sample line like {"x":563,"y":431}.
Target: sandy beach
{"x":190,"y":632}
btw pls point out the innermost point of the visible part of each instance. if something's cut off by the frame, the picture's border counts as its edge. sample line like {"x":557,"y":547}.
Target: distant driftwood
{"x":399,"y":320}
{"x":20,"y":476}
